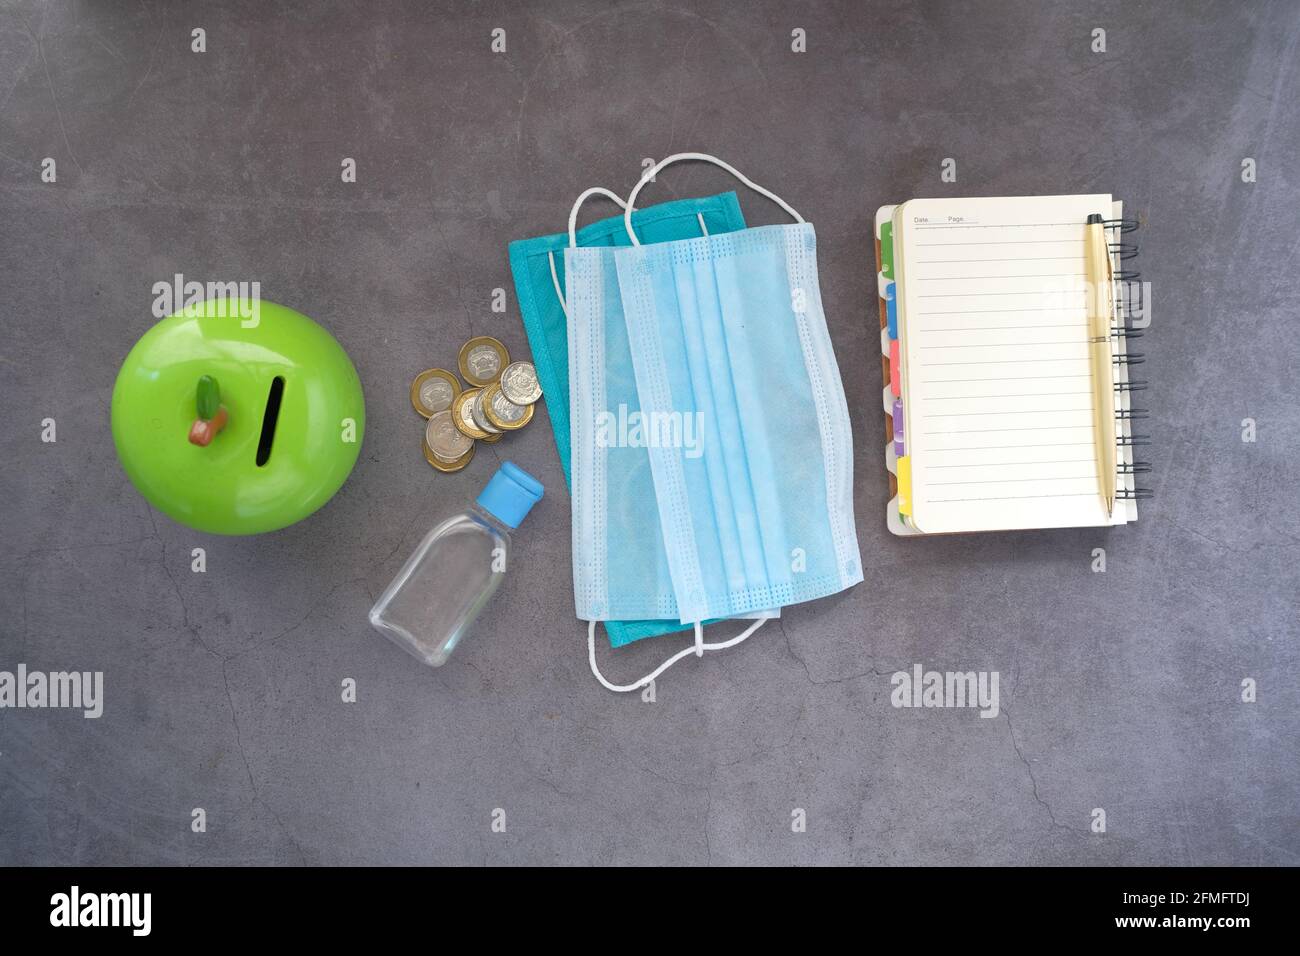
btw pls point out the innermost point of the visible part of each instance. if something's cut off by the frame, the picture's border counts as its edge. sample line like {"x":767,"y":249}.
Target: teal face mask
{"x":540,"y":284}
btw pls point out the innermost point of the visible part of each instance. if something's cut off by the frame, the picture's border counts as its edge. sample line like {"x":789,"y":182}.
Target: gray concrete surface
{"x":1119,"y":691}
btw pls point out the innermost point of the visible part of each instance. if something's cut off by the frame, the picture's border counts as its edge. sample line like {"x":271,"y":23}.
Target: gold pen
{"x":1100,"y":314}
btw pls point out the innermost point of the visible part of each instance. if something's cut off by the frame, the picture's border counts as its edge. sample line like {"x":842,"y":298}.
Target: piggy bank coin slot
{"x":269,"y":419}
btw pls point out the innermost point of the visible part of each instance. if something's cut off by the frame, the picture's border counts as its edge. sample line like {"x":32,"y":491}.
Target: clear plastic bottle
{"x":443,"y":586}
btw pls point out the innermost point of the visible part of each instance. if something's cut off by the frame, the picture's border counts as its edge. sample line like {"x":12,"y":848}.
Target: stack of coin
{"x":499,"y":399}
{"x":446,"y":447}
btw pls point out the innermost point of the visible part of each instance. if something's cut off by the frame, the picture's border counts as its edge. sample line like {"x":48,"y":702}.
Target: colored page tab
{"x":897,"y":416}
{"x":904,"y":467}
{"x":891,"y":311}
{"x":895,"y":362}
{"x":887,"y":250}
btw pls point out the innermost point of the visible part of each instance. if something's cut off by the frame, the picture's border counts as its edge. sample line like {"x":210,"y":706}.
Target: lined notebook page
{"x":997,"y":378}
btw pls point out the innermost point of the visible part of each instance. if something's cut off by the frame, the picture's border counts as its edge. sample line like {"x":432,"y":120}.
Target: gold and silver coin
{"x":434,"y":390}
{"x":462,"y":414}
{"x":502,"y":412}
{"x":519,"y":383}
{"x":481,"y":360}
{"x":479,"y":414}
{"x":447,"y":442}
{"x":448,"y":466}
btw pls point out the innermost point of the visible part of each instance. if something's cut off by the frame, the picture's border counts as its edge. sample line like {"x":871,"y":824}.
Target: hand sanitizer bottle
{"x":458,"y":566}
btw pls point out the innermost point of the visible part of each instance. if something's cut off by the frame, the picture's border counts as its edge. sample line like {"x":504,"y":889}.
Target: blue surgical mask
{"x":727,"y":331}
{"x":620,"y":566}
{"x":541,"y":284}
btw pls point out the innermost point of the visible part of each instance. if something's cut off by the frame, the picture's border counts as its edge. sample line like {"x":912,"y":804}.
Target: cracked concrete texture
{"x":1118,"y":690}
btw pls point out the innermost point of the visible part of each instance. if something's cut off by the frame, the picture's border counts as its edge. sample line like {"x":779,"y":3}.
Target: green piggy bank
{"x":237,"y":417}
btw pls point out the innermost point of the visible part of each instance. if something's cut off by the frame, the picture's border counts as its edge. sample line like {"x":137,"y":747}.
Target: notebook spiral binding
{"x":1128,"y":293}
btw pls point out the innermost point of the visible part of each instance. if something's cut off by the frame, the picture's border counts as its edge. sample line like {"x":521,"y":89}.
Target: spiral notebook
{"x":988,"y":381}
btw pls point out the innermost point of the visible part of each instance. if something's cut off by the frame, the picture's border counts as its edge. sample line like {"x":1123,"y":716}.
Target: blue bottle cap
{"x":510,"y":494}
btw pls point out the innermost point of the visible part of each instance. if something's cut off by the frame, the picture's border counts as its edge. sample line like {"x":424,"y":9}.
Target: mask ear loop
{"x":573,"y":234}
{"x":698,"y":649}
{"x":654,"y":170}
